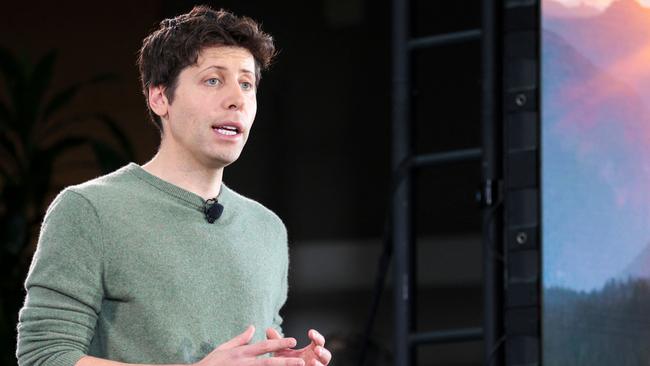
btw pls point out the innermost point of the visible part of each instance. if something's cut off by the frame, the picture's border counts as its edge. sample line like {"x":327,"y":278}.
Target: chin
{"x":222,"y":161}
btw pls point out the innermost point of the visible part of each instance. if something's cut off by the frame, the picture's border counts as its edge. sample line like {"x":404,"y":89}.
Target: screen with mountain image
{"x":596,"y":182}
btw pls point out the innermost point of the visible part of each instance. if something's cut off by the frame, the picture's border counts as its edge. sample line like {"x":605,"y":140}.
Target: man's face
{"x":213,"y":107}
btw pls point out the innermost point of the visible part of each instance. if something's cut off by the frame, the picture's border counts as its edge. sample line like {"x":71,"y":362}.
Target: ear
{"x":158,"y":101}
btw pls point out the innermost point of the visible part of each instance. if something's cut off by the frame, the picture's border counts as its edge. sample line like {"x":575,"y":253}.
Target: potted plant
{"x":31,"y":118}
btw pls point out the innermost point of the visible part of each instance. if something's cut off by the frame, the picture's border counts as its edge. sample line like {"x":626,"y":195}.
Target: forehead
{"x":227,"y":56}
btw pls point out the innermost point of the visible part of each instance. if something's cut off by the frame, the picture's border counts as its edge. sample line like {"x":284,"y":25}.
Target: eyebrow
{"x":246,"y":71}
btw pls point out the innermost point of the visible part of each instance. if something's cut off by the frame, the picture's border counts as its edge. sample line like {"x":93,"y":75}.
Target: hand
{"x":238,"y":352}
{"x":315,"y":354}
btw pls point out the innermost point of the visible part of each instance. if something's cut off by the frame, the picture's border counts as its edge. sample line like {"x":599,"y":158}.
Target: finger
{"x":276,"y":361}
{"x":271,"y":333}
{"x":239,"y":340}
{"x":268,"y":346}
{"x":323,"y":354}
{"x":316,"y":337}
{"x":315,"y":363}
{"x":290,"y":352}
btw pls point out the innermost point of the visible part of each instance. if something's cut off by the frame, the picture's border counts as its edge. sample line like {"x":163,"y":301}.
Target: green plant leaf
{"x":5,"y":177}
{"x":32,"y":103}
{"x":13,"y":73}
{"x":39,"y":81}
{"x":9,"y":150}
{"x":14,"y":233}
{"x":9,"y":66}
{"x":42,"y":163}
{"x":64,"y":97}
{"x":108,"y":158}
{"x":28,"y":95}
{"x":114,"y":129}
{"x":5,"y":117}
{"x":117,"y":133}
{"x":52,"y":152}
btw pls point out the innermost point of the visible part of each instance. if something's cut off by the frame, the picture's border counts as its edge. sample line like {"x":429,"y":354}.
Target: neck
{"x":186,"y":172}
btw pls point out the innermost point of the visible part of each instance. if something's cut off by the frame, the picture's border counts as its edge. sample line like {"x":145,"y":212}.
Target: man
{"x":162,"y":263}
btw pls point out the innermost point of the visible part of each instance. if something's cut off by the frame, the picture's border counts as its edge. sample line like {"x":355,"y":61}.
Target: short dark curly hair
{"x":178,"y":42}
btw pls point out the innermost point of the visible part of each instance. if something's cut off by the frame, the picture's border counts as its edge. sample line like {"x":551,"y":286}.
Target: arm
{"x":236,"y":351}
{"x":64,"y":285}
{"x":94,"y":361}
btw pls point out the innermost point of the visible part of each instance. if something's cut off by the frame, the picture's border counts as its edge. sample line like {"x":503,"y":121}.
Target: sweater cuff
{"x":65,"y":359}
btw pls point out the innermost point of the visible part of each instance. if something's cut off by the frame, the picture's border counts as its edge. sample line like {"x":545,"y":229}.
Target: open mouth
{"x":226,"y":130}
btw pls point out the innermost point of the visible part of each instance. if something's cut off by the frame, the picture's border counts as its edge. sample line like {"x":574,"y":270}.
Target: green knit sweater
{"x":128,"y":269}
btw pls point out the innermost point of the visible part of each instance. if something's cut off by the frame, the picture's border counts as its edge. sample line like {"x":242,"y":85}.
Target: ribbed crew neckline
{"x":191,"y":198}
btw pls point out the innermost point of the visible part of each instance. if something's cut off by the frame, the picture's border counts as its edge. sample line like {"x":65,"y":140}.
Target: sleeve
{"x":284,"y":283}
{"x":64,"y":285}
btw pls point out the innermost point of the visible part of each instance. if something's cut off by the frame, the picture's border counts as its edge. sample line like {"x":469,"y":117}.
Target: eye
{"x":212,"y":82}
{"x":246,"y":85}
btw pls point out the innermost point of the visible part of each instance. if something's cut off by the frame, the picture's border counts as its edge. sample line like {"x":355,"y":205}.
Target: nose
{"x":234,"y":97}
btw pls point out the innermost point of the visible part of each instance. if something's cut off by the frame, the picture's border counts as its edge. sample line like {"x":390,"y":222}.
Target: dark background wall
{"x":319,"y":154}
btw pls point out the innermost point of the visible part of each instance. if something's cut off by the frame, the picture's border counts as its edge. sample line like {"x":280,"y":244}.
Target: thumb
{"x":239,"y":340}
{"x":271,"y":333}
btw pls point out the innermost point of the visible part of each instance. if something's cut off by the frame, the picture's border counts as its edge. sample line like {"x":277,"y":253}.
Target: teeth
{"x":224,"y":131}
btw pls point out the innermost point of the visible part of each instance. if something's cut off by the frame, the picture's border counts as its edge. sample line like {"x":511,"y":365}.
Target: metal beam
{"x":490,"y":119}
{"x":401,"y":204}
{"x":427,"y":160}
{"x":445,"y":39}
{"x":447,"y":336}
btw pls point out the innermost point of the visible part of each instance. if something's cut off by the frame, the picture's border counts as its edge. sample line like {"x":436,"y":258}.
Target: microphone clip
{"x":212,"y":210}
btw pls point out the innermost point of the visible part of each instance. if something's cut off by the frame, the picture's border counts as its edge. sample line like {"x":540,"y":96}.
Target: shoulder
{"x":85,"y":197}
{"x":105,"y":184}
